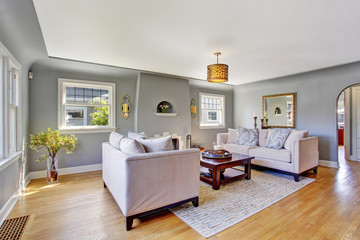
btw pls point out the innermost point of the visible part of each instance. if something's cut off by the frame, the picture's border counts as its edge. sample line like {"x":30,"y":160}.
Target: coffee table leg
{"x":216,"y":179}
{"x":248,"y":170}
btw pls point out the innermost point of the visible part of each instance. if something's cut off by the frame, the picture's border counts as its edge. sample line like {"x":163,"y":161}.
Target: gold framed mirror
{"x":279,"y":111}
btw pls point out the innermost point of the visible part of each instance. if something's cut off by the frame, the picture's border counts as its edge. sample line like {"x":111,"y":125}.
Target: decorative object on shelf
{"x":217,"y":73}
{"x":53,"y":142}
{"x":188,"y":141}
{"x":193,"y":108}
{"x":165,"y":107}
{"x":125,"y":107}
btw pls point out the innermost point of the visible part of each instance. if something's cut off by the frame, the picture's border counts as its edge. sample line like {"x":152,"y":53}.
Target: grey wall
{"x":317,"y":94}
{"x":205,"y":137}
{"x":153,"y":89}
{"x":21,"y":35}
{"x":43,"y":105}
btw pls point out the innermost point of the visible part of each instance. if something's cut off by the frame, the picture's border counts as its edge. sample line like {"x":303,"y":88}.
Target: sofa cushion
{"x":157,"y":144}
{"x":131,"y":146}
{"x":233,"y":135}
{"x":133,"y":135}
{"x":236,"y":148}
{"x":281,"y":155}
{"x":276,"y":138}
{"x":115,"y":139}
{"x":248,"y":136}
{"x":293,"y":137}
{"x":262,"y":137}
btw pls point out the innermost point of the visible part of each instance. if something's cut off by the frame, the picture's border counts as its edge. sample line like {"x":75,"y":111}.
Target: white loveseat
{"x":302,"y":156}
{"x":142,"y":183}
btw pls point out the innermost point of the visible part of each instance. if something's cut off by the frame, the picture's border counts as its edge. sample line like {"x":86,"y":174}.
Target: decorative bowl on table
{"x":216,"y":154}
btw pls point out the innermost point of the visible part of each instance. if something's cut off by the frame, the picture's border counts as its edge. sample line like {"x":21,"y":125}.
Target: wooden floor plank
{"x":78,"y":207}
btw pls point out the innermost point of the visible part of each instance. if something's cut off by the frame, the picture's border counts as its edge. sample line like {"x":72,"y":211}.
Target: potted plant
{"x":53,"y":142}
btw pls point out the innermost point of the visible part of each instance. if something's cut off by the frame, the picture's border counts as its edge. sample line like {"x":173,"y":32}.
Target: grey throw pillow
{"x":276,"y":138}
{"x":157,"y":144}
{"x":131,"y":146}
{"x":248,"y":137}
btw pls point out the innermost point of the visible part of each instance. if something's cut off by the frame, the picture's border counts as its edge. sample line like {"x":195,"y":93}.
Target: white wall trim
{"x":329,"y":163}
{"x":70,"y":170}
{"x":9,"y":206}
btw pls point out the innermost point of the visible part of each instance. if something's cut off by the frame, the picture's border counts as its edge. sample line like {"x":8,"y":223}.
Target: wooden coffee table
{"x":216,"y":165}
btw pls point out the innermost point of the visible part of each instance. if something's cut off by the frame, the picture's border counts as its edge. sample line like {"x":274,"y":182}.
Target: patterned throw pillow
{"x":276,"y":138}
{"x":248,"y":137}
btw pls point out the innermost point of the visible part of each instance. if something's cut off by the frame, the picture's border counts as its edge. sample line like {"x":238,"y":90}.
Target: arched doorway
{"x":348,"y":124}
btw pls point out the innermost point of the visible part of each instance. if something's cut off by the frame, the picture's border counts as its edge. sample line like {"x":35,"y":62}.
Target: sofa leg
{"x":129,"y":223}
{"x":315,"y":170}
{"x":296,"y":177}
{"x":105,"y":185}
{"x":195,"y":202}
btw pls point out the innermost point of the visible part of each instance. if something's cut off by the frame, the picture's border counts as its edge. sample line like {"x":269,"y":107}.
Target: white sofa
{"x":146,"y":182}
{"x":304,"y":155}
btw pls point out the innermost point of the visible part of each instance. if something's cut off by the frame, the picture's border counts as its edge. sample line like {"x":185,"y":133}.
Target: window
{"x":10,"y":126}
{"x":86,"y":106}
{"x":212,"y":111}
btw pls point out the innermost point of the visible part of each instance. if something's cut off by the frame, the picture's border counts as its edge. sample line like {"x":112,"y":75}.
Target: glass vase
{"x":52,"y":170}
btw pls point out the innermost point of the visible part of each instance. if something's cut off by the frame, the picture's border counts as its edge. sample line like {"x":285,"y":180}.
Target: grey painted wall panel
{"x":43,"y":106}
{"x":206,"y":137}
{"x":317,"y":94}
{"x":154,"y":89}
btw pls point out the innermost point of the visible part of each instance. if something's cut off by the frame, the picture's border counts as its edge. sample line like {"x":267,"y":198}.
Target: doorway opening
{"x":348,"y":125}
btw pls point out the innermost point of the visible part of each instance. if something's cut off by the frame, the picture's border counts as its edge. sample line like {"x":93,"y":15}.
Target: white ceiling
{"x":259,"y":39}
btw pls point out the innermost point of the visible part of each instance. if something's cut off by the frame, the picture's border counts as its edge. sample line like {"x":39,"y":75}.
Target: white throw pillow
{"x":157,"y":144}
{"x":115,"y":139}
{"x":133,"y":135}
{"x":131,"y":146}
{"x":233,"y":135}
{"x":276,"y":138}
{"x":293,"y":137}
{"x":263,"y":133}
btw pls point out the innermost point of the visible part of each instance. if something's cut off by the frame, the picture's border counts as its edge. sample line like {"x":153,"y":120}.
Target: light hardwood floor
{"x":78,"y":207}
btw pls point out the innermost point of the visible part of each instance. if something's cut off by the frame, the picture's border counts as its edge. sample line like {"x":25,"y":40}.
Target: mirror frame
{"x":293,"y":107}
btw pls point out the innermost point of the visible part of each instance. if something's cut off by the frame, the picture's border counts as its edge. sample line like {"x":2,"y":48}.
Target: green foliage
{"x":101,"y":114}
{"x":53,"y":142}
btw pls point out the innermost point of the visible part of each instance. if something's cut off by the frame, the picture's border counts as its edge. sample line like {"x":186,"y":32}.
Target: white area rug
{"x":236,"y":201}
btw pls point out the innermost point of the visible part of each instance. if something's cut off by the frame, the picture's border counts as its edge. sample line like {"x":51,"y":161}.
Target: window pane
{"x":87,"y":116}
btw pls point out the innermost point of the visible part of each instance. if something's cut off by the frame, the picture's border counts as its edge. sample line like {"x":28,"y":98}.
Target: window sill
{"x":212,"y":127}
{"x":7,"y":161}
{"x":80,"y":131}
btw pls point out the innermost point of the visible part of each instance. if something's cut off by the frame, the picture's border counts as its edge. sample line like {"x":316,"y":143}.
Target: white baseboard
{"x":329,"y":163}
{"x":9,"y":206}
{"x":70,"y":170}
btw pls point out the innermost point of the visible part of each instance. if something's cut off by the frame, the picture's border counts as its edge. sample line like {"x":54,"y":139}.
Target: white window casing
{"x":68,"y":124}
{"x":212,"y":111}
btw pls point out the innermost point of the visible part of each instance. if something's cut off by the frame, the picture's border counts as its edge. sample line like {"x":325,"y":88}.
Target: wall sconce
{"x":193,"y":108}
{"x":125,"y":107}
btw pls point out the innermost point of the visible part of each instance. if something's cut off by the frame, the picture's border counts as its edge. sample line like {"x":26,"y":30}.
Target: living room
{"x":22,"y":33}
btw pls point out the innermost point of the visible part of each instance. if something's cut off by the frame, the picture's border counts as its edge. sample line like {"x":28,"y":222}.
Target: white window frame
{"x":212,"y":125}
{"x":10,"y":73}
{"x":62,"y":84}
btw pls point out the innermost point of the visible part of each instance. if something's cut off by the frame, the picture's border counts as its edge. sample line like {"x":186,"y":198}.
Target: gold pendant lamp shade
{"x":217,"y":73}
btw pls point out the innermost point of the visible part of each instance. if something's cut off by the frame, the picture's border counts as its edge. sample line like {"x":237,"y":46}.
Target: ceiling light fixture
{"x":217,"y":73}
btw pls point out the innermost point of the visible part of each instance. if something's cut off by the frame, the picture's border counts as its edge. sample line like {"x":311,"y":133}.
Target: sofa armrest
{"x":305,"y":154}
{"x":221,"y":138}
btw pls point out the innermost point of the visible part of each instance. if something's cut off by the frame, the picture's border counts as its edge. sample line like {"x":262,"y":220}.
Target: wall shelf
{"x":166,"y":114}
